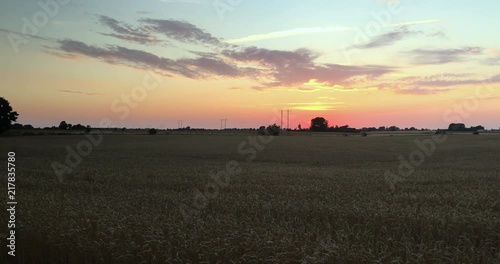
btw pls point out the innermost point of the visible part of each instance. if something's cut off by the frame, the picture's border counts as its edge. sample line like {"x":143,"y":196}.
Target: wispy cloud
{"x":288,"y":33}
{"x":319,"y":106}
{"x":181,"y":31}
{"x":314,"y":85}
{"x":420,"y":91}
{"x":447,"y":80}
{"x":148,"y":30}
{"x":442,"y":56}
{"x":492,"y":61}
{"x":25,"y":35}
{"x":314,"y":106}
{"x":186,"y":1}
{"x":434,"y":84}
{"x":126,"y":32}
{"x":286,"y":68}
{"x":413,"y":23}
{"x":388,"y":38}
{"x":198,"y":68}
{"x":313,"y":30}
{"x":269,"y":68}
{"x":317,"y":103}
{"x":80,"y":92}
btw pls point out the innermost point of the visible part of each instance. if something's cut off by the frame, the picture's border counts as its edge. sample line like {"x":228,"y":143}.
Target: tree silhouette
{"x":274,"y":130}
{"x":16,"y":126}
{"x":262,"y":130}
{"x":7,"y":116}
{"x":78,"y":127}
{"x":63,"y":125}
{"x":319,"y":124}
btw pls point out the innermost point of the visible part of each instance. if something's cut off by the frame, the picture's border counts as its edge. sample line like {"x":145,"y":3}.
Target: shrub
{"x":153,"y":131}
{"x":273,"y":130}
{"x":475,"y":133}
{"x":262,"y":130}
{"x":364,"y":134}
{"x":440,"y":131}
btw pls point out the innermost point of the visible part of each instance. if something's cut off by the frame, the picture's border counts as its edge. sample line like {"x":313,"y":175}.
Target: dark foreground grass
{"x":301,"y":200}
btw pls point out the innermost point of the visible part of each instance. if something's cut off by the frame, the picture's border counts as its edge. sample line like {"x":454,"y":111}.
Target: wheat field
{"x":294,"y":199}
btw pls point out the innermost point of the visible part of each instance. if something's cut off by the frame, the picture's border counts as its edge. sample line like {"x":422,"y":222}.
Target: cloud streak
{"x":190,"y":68}
{"x":270,"y":68}
{"x":285,"y":68}
{"x":492,"y":61}
{"x":420,"y":91}
{"x":126,"y":32}
{"x":186,"y":1}
{"x":442,"y":56}
{"x":434,"y":84}
{"x":181,"y":31}
{"x":148,"y":30}
{"x":79,"y":92}
{"x":287,"y":33}
{"x":313,"y":30}
{"x":388,"y":38}
{"x":413,"y":23}
{"x":25,"y":35}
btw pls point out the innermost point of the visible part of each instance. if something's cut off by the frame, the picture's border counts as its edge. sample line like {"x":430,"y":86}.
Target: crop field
{"x":235,"y":199}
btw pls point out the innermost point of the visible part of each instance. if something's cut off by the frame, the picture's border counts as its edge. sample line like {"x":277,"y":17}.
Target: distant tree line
{"x":20,"y":126}
{"x":62,"y":126}
{"x":320,"y":124}
{"x":65,"y":126}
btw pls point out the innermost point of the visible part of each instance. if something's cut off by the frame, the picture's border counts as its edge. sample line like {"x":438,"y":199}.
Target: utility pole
{"x":281,"y":120}
{"x":287,"y":119}
{"x":225,"y":123}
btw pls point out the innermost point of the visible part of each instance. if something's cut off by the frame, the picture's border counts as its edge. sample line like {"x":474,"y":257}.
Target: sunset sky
{"x":361,"y":63}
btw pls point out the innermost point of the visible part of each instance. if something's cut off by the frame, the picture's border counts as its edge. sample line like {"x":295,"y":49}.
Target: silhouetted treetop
{"x":319,"y":124}
{"x":7,"y":115}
